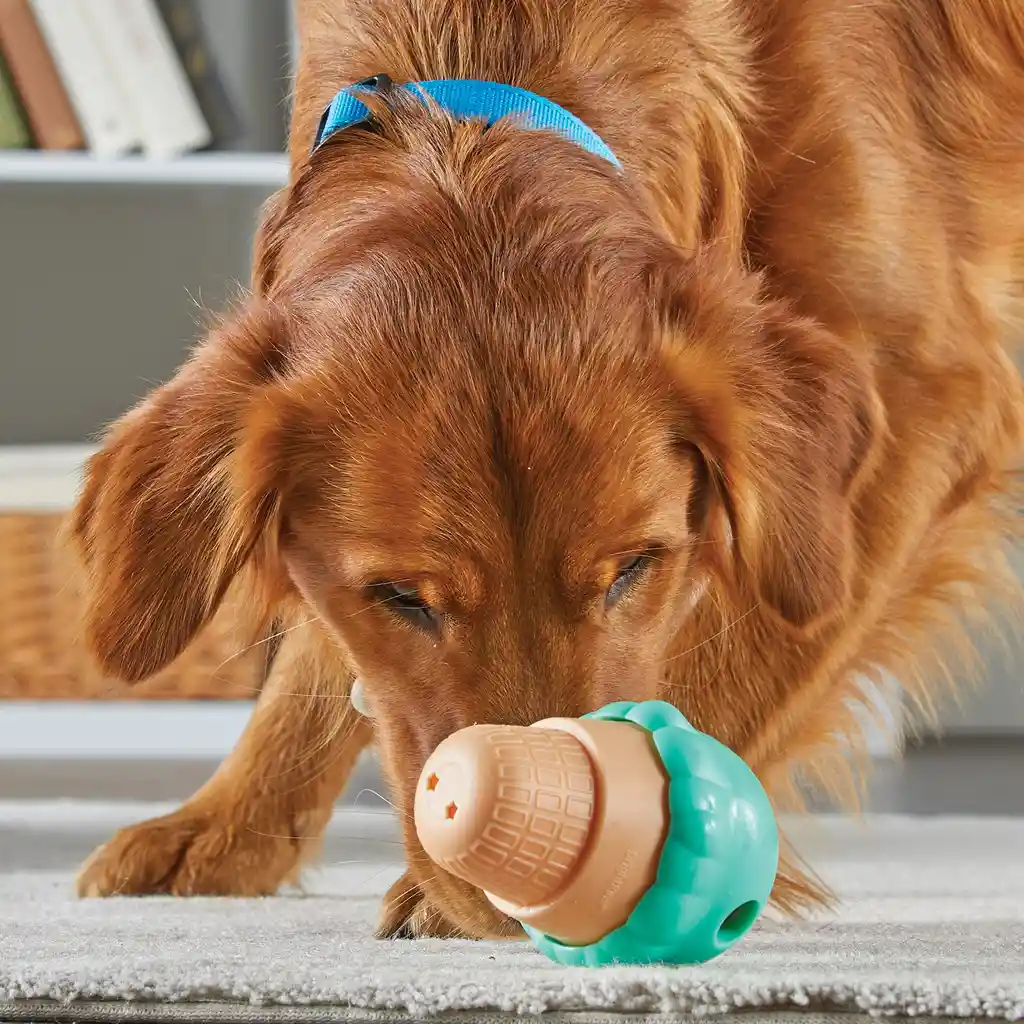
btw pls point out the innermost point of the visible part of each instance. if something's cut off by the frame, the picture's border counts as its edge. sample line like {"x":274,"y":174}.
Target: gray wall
{"x":253,"y":43}
{"x":98,"y":282}
{"x":98,"y":292}
{"x":996,"y":706}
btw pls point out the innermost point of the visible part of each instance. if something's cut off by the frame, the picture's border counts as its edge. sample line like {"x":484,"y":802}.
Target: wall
{"x":99,"y":295}
{"x":99,"y":284}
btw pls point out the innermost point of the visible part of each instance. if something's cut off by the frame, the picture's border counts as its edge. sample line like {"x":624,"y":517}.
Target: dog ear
{"x":786,"y":420}
{"x":178,"y":498}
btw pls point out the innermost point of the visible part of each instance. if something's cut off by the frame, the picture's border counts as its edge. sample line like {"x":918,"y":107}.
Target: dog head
{"x":494,"y":430}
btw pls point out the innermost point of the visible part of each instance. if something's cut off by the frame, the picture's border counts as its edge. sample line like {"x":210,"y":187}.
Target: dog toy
{"x":625,"y":836}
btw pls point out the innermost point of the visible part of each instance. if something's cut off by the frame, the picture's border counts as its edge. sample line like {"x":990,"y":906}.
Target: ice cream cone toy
{"x":625,"y":836}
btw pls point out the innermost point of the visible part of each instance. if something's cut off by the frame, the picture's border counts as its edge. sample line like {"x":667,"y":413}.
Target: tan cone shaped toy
{"x":546,"y":820}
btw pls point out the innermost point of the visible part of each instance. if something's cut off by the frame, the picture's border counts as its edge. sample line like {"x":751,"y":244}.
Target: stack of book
{"x":112,"y":77}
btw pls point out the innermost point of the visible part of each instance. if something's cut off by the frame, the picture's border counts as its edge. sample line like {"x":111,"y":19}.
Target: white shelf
{"x":33,"y":167}
{"x":41,"y":478}
{"x":149,"y":730}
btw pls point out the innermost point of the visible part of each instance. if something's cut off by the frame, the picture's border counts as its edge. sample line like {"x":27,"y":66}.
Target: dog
{"x":718,"y":405}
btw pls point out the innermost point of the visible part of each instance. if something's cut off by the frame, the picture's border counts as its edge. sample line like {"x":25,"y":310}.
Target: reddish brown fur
{"x":485,"y":363}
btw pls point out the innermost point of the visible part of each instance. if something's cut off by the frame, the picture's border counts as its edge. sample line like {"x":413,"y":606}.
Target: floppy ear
{"x":178,"y":498}
{"x":786,"y":419}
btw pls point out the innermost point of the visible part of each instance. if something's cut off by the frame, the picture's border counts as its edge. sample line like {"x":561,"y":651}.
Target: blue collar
{"x":467,"y":100}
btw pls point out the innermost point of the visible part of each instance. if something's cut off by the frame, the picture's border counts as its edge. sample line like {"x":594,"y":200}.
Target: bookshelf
{"x":137,"y":247}
{"x":255,"y":170}
{"x":109,"y":265}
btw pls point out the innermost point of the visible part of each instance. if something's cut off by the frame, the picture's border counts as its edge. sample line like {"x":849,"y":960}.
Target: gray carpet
{"x":932,"y":926}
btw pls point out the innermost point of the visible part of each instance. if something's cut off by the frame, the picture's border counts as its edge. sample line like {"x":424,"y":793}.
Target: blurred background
{"x":129,"y":193}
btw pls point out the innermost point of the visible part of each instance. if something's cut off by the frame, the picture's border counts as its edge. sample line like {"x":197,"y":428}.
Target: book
{"x":14,"y":131}
{"x":141,"y":55}
{"x":106,"y":119}
{"x":185,"y":25}
{"x":44,"y":99}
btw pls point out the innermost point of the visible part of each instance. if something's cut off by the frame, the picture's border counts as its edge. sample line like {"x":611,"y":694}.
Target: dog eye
{"x":406,"y":603}
{"x":628,"y":574}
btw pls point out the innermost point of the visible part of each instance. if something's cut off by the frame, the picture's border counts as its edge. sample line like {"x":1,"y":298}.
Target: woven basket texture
{"x":42,"y":655}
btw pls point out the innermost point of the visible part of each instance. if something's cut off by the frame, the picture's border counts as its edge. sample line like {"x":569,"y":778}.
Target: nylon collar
{"x":466,"y":99}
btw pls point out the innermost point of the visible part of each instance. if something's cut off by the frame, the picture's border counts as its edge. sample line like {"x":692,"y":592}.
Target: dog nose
{"x":454,"y":717}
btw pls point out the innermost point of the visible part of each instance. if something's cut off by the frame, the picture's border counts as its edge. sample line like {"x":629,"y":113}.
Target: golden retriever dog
{"x":506,"y":429}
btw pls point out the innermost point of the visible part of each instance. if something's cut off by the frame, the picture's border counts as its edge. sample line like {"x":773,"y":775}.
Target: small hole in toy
{"x":432,"y":782}
{"x":738,"y":922}
{"x":451,"y":810}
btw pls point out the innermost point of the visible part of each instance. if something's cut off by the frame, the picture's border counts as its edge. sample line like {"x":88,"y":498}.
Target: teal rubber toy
{"x":718,"y":862}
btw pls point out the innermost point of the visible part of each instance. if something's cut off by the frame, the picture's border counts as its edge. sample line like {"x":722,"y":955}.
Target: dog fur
{"x":773,"y":357}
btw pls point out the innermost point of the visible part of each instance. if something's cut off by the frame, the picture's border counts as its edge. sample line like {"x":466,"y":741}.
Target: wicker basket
{"x":41,"y":653}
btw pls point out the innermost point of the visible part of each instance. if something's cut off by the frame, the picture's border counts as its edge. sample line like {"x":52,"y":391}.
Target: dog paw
{"x":192,"y":853}
{"x":407,"y":914}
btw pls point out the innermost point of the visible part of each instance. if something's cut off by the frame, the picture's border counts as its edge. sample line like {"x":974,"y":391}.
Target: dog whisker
{"x":374,"y":792}
{"x":333,"y":736}
{"x":714,"y":636}
{"x":377,"y":873}
{"x":259,"y":643}
{"x":319,"y":835}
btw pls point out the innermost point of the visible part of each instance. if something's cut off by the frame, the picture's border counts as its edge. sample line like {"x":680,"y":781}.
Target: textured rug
{"x":932,"y":926}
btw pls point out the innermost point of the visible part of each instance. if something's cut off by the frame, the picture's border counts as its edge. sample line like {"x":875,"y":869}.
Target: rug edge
{"x":49,"y":1012}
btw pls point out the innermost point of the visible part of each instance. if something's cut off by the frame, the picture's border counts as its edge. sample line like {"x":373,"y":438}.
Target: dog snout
{"x":432,"y":729}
